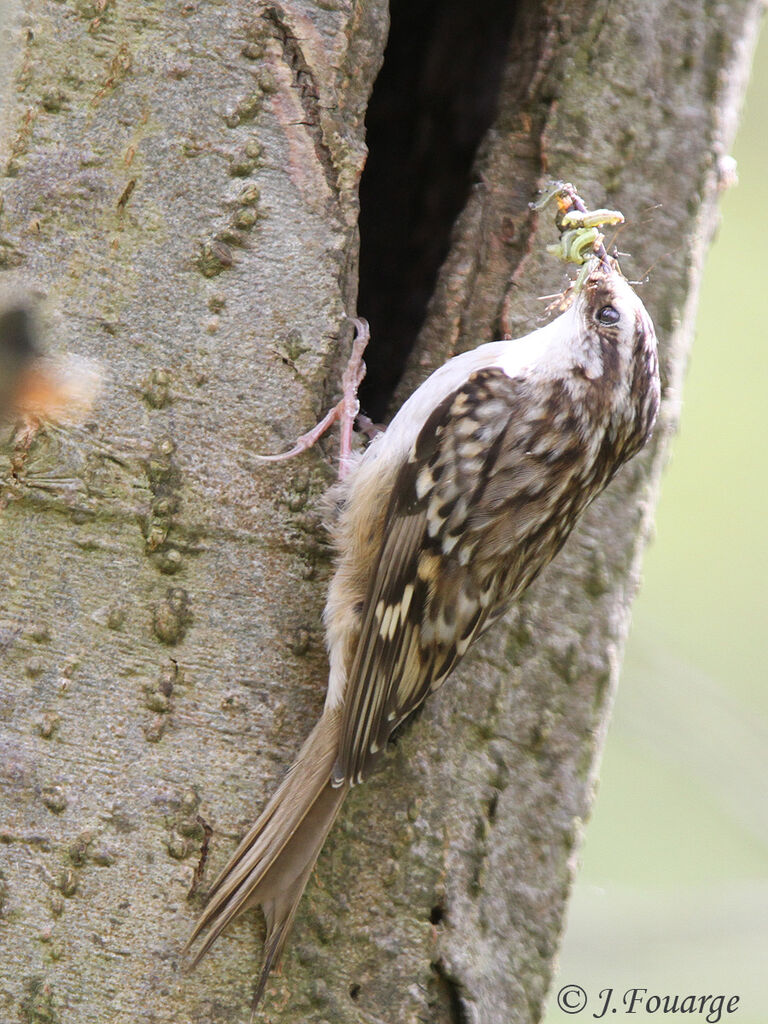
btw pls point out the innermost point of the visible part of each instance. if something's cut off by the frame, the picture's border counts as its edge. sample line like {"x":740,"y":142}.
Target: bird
{"x":35,"y":388}
{"x":443,"y":521}
{"x":19,"y":353}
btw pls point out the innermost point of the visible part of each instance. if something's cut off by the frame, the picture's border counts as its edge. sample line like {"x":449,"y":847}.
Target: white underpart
{"x":555,"y":347}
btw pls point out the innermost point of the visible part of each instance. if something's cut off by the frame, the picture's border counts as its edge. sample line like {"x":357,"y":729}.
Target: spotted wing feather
{"x":427,"y":601}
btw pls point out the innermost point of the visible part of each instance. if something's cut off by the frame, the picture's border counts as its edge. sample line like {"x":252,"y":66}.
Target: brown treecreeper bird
{"x":445,"y":519}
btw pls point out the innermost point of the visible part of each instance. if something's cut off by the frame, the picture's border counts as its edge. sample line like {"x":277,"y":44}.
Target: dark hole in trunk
{"x":433,"y":102}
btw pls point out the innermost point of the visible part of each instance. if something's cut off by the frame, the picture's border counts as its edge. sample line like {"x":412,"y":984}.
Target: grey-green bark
{"x":180,"y":181}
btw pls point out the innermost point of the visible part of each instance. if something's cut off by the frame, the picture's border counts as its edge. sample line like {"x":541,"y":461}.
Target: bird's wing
{"x":427,"y":600}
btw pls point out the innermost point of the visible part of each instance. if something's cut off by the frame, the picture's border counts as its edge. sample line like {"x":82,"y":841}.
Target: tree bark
{"x":181,"y":187}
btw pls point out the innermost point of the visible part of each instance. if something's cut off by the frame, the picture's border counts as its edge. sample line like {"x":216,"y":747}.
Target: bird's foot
{"x":345,"y":411}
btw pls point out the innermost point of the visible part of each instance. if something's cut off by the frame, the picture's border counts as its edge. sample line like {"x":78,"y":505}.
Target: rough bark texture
{"x":180,"y":182}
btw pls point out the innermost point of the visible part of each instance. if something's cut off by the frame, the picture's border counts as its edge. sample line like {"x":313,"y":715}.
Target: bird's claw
{"x":344,"y":411}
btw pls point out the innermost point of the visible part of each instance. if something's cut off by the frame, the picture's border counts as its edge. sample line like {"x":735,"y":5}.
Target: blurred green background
{"x":673,"y":892}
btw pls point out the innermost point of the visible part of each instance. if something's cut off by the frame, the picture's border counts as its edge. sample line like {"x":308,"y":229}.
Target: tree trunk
{"x":181,"y":188}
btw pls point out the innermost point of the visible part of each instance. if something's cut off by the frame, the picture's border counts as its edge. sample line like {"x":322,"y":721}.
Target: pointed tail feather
{"x":272,"y":864}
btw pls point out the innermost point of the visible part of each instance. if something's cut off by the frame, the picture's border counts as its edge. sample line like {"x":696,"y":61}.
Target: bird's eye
{"x":608,"y":316}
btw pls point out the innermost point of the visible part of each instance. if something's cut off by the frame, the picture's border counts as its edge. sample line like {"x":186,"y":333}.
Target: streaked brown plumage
{"x":447,"y":517}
